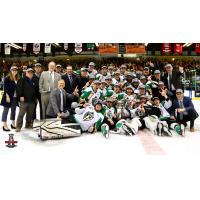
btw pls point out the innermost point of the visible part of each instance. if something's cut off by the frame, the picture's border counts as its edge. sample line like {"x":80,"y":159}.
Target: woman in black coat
{"x":9,"y":99}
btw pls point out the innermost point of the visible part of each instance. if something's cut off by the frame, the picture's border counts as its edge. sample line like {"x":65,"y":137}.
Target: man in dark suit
{"x":58,"y":100}
{"x":71,"y":83}
{"x":172,"y":79}
{"x":183,"y":110}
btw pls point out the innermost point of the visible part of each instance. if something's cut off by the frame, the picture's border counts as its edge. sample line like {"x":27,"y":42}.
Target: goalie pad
{"x":129,"y":127}
{"x":53,"y":129}
{"x":152,"y":122}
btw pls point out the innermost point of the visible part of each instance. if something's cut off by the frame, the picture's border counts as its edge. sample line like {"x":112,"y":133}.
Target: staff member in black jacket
{"x":36,"y":78}
{"x":27,"y":94}
{"x":9,"y":99}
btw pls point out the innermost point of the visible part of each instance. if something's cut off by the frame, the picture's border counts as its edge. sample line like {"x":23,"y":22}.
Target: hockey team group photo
{"x":67,"y":90}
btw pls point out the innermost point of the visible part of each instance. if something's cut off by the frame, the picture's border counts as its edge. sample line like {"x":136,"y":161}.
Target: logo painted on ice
{"x":11,"y":143}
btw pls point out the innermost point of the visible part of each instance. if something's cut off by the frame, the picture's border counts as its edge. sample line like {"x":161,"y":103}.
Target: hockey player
{"x":147,"y":115}
{"x":135,"y":83}
{"x":165,"y":119}
{"x":104,"y":72}
{"x":117,"y":78}
{"x":111,"y":70}
{"x":110,"y":113}
{"x":128,"y":80}
{"x":90,"y":117}
{"x":142,"y":91}
{"x":91,"y":69}
{"x":105,"y":90}
{"x":108,"y":80}
{"x":130,"y":97}
{"x":118,"y":95}
{"x":89,"y":83}
{"x":92,"y":93}
{"x":123,"y":70}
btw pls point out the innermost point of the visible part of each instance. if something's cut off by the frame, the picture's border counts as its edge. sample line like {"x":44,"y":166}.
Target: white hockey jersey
{"x":87,"y":117}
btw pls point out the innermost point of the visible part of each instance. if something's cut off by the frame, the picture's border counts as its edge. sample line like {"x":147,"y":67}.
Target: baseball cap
{"x":142,"y":86}
{"x":92,"y":76}
{"x":154,"y":98}
{"x":157,"y":72}
{"x":135,"y":80}
{"x":84,"y":69}
{"x":179,"y":91}
{"x":13,"y":67}
{"x":91,"y":64}
{"x":29,"y":70}
{"x":58,"y":65}
{"x":97,"y":82}
{"x":146,"y":68}
{"x":142,"y":77}
{"x":160,"y":83}
{"x":168,"y":65}
{"x":38,"y":65}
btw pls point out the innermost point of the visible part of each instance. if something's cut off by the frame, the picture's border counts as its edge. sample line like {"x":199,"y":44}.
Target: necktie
{"x":70,"y":79}
{"x":61,"y":100}
{"x":169,"y":81}
{"x":51,"y":81}
{"x":181,"y":106}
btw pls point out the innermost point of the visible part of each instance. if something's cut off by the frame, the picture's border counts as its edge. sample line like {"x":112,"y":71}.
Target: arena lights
{"x":56,"y":45}
{"x":14,"y":45}
{"x":146,"y":44}
{"x":187,"y":44}
{"x":97,"y":44}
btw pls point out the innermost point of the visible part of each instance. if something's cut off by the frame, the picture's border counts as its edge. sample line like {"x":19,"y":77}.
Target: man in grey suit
{"x":57,"y":102}
{"x":48,"y":81}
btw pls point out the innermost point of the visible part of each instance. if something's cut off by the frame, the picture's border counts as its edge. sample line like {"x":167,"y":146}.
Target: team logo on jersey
{"x":88,"y":116}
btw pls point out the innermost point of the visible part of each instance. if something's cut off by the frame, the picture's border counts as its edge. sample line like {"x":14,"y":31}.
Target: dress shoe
{"x":13,"y":127}
{"x":17,"y":129}
{"x":29,"y":126}
{"x":192,"y":130}
{"x":5,"y":129}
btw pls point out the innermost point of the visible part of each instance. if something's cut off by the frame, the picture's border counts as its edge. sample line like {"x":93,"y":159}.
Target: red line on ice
{"x":149,"y":143}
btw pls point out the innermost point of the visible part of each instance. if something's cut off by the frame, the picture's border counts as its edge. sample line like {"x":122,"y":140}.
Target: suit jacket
{"x":176,"y":79}
{"x":45,"y":81}
{"x":27,"y":88}
{"x":55,"y":101}
{"x":69,"y":88}
{"x":9,"y":88}
{"x":187,"y":103}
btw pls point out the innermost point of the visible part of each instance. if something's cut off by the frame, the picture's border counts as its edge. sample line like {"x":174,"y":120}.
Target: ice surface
{"x":28,"y":142}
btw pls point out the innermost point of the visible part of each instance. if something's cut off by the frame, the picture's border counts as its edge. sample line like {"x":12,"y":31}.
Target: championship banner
{"x":36,"y":48}
{"x":47,"y":48}
{"x":197,"y":48}
{"x":108,"y":48}
{"x":90,"y":46}
{"x":7,"y":49}
{"x":134,"y":49}
{"x":178,"y":48}
{"x":65,"y":46}
{"x":78,"y":47}
{"x":24,"y":46}
{"x":166,"y":48}
{"x":122,"y":48}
